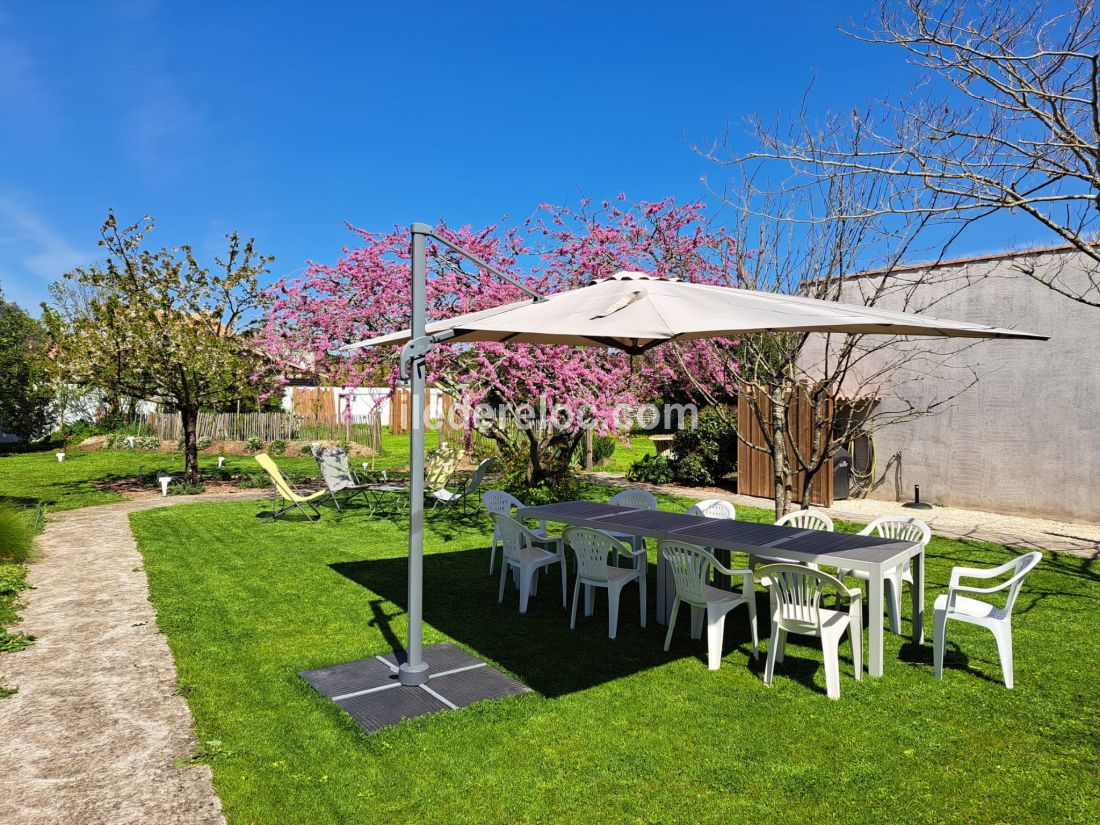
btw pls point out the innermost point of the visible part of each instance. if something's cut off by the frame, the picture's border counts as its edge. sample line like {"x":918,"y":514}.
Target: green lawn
{"x":614,"y":730}
{"x":626,"y":454}
{"x":27,"y":479}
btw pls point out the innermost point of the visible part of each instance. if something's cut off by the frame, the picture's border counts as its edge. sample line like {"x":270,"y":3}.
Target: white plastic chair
{"x":638,"y":500}
{"x":502,"y":503}
{"x":796,"y":594}
{"x":523,"y":556}
{"x":691,"y":567}
{"x":902,"y":528}
{"x":804,"y":519}
{"x":998,"y":620}
{"x":592,"y":548}
{"x":713,"y":508}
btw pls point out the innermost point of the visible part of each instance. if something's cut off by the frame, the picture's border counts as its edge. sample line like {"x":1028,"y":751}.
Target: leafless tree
{"x":809,"y":226}
{"x":1005,"y":117}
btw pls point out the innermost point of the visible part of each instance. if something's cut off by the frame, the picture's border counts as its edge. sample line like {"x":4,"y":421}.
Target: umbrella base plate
{"x":370,"y":692}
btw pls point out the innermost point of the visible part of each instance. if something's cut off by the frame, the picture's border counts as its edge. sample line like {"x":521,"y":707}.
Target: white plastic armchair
{"x":691,"y":568}
{"x":523,"y":555}
{"x":998,"y":620}
{"x":796,"y":595}
{"x":902,"y":528}
{"x":502,"y":503}
{"x":804,"y":519}
{"x":592,"y":548}
{"x":713,"y":508}
{"x":638,"y":500}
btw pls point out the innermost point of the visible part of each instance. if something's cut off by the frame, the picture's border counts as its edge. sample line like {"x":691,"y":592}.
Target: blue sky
{"x":283,"y":120}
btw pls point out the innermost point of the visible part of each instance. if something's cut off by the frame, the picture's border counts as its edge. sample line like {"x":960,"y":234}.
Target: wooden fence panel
{"x":756,"y":470}
{"x":401,"y":409}
{"x":269,"y":426}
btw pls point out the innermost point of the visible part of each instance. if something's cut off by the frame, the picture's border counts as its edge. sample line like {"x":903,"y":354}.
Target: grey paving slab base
{"x":368,"y":689}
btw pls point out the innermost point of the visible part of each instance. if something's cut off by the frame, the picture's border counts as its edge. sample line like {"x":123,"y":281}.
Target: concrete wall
{"x":1026,"y":438}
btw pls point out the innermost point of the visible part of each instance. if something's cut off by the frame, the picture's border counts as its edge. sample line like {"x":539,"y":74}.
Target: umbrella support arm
{"x":414,"y":670}
{"x":416,"y":350}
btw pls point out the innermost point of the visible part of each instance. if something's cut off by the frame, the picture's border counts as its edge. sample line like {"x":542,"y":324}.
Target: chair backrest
{"x":440,"y":465}
{"x":638,"y":499}
{"x":479,"y":475}
{"x":713,"y":508}
{"x":264,"y":460}
{"x":690,"y":566}
{"x":902,"y":528}
{"x":513,"y":536}
{"x":807,"y":520}
{"x":592,"y":548}
{"x":498,"y":501}
{"x":797,"y":591}
{"x":1024,"y":565}
{"x":333,"y":464}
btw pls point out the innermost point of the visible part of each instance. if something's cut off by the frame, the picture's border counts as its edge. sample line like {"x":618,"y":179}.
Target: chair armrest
{"x":980,"y":572}
{"x":962,"y":588}
{"x":739,"y":571}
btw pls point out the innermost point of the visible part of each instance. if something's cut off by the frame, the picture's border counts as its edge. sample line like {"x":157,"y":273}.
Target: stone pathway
{"x":96,"y":728}
{"x":1023,"y":532}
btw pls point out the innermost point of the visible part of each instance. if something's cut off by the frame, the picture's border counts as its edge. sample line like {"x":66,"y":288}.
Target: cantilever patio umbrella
{"x":631,"y":311}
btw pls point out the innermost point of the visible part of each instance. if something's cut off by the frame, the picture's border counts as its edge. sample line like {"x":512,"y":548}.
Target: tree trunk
{"x":190,"y":419}
{"x":807,"y":483}
{"x":780,"y":459}
{"x":535,"y":472}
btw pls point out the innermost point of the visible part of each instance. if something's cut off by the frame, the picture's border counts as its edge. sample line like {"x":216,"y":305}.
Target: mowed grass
{"x":634,"y":449}
{"x":27,"y":479}
{"x":615,"y":731}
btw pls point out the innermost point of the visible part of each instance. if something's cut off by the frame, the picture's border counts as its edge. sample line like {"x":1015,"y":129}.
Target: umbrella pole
{"x":414,"y":671}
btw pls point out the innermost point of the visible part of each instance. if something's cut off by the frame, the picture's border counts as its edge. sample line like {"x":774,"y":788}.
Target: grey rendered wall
{"x":1026,"y":438}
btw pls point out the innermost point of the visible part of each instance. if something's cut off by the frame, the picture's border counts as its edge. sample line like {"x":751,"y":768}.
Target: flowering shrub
{"x":366,"y":293}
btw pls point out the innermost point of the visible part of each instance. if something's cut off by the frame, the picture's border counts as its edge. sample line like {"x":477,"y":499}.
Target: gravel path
{"x":95,"y":730}
{"x":1023,"y":532}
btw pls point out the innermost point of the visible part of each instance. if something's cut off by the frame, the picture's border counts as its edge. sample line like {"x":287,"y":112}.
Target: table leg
{"x":874,"y":622}
{"x":917,"y":591}
{"x":660,"y":606}
{"x":721,"y":580}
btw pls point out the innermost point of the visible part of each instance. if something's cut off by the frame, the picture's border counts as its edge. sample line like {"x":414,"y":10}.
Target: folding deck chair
{"x":288,"y":493}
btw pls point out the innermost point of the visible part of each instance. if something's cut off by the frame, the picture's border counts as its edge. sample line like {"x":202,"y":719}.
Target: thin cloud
{"x":31,"y":245}
{"x":160,"y":135}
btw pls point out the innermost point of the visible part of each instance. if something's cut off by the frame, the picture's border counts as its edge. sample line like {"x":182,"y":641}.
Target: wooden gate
{"x":316,"y":404}
{"x":756,"y":470}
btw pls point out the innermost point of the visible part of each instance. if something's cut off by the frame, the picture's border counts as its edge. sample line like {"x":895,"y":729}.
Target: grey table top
{"x":841,"y":549}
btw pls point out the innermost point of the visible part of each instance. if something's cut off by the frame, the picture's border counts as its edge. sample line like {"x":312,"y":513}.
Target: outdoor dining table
{"x":871,"y":554}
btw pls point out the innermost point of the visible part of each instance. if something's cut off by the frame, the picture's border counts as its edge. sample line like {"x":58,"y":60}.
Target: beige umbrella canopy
{"x":634,"y":311}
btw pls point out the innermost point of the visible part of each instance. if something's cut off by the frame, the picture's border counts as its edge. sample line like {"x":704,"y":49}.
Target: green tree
{"x":26,"y":397}
{"x":160,"y":326}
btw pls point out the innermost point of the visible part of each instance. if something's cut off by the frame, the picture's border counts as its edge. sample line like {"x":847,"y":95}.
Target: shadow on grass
{"x":539,"y":648}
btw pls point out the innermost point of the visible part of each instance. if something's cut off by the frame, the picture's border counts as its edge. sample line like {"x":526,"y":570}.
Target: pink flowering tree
{"x":533,"y":401}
